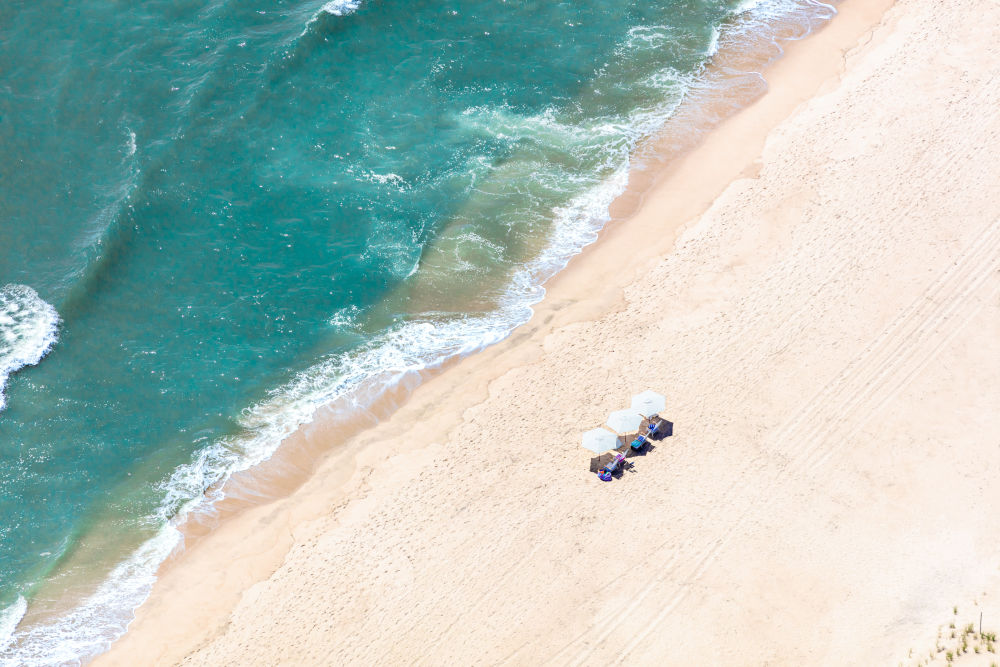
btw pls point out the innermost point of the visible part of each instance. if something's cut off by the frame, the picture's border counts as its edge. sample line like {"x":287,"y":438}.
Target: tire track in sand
{"x":893,"y":359}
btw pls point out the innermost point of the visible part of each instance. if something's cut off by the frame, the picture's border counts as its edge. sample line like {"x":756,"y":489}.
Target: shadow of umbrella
{"x":601,"y":461}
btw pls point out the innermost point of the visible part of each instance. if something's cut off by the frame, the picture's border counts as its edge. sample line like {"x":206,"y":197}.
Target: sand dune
{"x":828,"y":336}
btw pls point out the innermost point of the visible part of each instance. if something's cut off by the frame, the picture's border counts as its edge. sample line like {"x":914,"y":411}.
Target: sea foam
{"x":28,"y":330}
{"x":9,"y":618}
{"x":333,"y":8}
{"x":340,"y":7}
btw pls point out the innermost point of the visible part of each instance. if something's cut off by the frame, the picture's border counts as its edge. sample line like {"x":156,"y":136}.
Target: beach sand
{"x":815,"y":288}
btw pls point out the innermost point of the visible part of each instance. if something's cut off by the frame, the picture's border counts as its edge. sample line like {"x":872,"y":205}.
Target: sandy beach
{"x":816,"y":290}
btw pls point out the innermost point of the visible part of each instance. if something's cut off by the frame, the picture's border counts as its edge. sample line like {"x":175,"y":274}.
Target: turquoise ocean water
{"x":216,"y":216}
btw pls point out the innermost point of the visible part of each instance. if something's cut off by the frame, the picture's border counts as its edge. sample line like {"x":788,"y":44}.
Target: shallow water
{"x":216,"y":216}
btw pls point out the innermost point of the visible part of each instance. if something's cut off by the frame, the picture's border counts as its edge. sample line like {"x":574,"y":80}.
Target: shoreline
{"x":295,"y":460}
{"x":299,"y":453}
{"x":667,"y":182}
{"x":292,"y":463}
{"x":194,"y":600}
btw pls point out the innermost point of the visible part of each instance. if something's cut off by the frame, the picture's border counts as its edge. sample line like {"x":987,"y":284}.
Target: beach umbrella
{"x":625,"y":421}
{"x":600,"y":440}
{"x":649,"y":402}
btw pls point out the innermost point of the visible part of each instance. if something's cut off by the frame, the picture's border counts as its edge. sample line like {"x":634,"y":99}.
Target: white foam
{"x":745,"y":6}
{"x":91,"y":626}
{"x":387,"y":179}
{"x":130,"y":146}
{"x":757,"y":14}
{"x":470,"y":245}
{"x":334,"y":8}
{"x":341,"y":7}
{"x":9,"y":618}
{"x":28,"y":330}
{"x":345,"y":318}
{"x":713,"y":43}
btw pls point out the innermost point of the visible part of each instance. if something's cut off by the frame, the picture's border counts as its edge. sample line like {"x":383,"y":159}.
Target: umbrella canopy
{"x":649,"y":402}
{"x":600,"y":440}
{"x":625,"y":421}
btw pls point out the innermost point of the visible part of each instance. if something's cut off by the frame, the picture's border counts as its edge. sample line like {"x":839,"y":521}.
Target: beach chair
{"x":653,"y":423}
{"x":605,"y":474}
{"x":638,"y":443}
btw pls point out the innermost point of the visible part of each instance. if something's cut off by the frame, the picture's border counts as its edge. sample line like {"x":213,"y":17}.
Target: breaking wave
{"x":28,"y":330}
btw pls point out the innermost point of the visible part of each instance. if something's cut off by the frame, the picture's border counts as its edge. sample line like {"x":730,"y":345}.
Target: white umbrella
{"x":600,"y":440}
{"x":625,"y":421}
{"x":649,"y":402}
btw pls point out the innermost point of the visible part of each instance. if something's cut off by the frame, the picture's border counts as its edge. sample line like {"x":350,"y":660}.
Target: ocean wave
{"x":9,"y":618}
{"x":400,"y":354}
{"x":469,"y":250}
{"x":100,"y":619}
{"x":746,"y":6}
{"x":384,"y":362}
{"x":333,"y":8}
{"x":28,"y":330}
{"x":713,"y":42}
{"x":392,"y":359}
{"x":340,"y":7}
{"x":760,"y":17}
{"x":547,"y":129}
